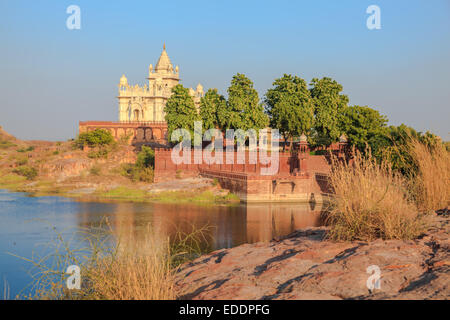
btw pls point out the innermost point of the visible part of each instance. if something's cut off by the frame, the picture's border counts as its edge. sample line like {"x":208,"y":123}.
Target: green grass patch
{"x":124,"y":193}
{"x":11,"y":179}
{"x":5,"y":144}
{"x":205,"y":197}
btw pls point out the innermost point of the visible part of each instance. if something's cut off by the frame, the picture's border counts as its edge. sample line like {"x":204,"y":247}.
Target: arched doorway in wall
{"x":136,"y":115}
{"x":136,"y":112}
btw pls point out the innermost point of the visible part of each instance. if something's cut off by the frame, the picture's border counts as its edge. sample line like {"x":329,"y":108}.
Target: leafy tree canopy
{"x":244,"y":110}
{"x":95,"y":138}
{"x":180,"y":111}
{"x":328,"y":105}
{"x":396,"y":147}
{"x":211,"y":105}
{"x":364,"y":125}
{"x":146,"y":158}
{"x":290,"y":106}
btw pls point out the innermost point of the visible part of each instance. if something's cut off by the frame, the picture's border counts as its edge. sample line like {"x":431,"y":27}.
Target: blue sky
{"x":52,"y":77}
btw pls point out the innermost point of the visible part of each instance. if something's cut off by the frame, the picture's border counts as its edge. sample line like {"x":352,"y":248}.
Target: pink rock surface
{"x":305,"y":266}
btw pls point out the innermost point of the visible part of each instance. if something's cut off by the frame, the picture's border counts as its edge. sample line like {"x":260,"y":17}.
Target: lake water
{"x":28,"y":224}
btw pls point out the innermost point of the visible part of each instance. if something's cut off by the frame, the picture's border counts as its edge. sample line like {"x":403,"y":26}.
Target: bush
{"x":5,"y":144}
{"x":98,"y":153}
{"x":22,"y":161}
{"x":95,"y":170}
{"x":396,"y":148}
{"x":371,"y":201}
{"x":96,"y":138}
{"x":146,"y":175}
{"x":146,"y":157}
{"x":29,"y":172}
{"x":136,"y":173}
{"x":31,"y":148}
{"x":142,"y":170}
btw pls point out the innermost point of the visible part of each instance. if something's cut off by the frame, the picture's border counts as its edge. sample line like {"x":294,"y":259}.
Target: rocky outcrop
{"x":306,"y":266}
{"x":62,"y":168}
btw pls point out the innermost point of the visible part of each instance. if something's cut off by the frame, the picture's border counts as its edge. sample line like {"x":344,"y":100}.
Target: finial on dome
{"x":123,"y":80}
{"x":343,"y":138}
{"x":164,"y":46}
{"x":303,"y":138}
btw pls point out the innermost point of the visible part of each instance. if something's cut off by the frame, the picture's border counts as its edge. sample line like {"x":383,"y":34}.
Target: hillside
{"x":59,"y":168}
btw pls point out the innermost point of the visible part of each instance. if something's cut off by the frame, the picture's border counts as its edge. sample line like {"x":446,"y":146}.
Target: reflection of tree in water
{"x":222,"y":226}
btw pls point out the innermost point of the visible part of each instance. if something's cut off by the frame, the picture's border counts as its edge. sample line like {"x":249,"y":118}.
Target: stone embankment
{"x":304,"y":265}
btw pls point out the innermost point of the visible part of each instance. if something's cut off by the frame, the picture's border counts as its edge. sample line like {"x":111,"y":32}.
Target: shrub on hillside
{"x":31,"y":148}
{"x":95,"y":138}
{"x":142,"y":170}
{"x":5,"y":144}
{"x":29,"y":172}
{"x":21,"y":161}
{"x":95,"y":170}
{"x":98,"y":153}
{"x":136,"y":173}
{"x":146,"y":157}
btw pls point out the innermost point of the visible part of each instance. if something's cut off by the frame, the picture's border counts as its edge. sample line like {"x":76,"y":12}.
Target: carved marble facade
{"x":146,"y":103}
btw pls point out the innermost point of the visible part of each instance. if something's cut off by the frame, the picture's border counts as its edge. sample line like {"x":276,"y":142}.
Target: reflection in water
{"x":227,"y":226}
{"x":28,"y":224}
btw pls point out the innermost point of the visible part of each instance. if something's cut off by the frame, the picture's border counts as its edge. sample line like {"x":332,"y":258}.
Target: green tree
{"x":180,"y":111}
{"x":396,"y":147}
{"x":364,"y":126}
{"x":95,"y":138}
{"x":329,"y":103}
{"x":290,"y":106}
{"x":145,"y":158}
{"x":244,"y":110}
{"x":210,"y":106}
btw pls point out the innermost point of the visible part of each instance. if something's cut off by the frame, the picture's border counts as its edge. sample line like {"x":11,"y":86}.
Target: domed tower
{"x":199,"y":90}
{"x":123,"y":82}
{"x":147,"y":103}
{"x":123,"y":98}
{"x":161,"y":80}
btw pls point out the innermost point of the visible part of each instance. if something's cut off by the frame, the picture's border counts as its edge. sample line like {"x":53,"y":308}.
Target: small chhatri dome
{"x":199,"y":87}
{"x":163,"y":61}
{"x":123,"y":80}
{"x":343,"y":138}
{"x":303,"y":138}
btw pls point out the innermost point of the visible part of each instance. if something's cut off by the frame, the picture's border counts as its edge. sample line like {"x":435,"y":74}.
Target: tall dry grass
{"x":135,"y":272}
{"x":371,"y":201}
{"x":114,"y":267}
{"x":430,"y":186}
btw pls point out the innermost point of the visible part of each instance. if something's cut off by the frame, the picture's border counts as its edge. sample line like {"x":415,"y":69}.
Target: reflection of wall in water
{"x":265,"y":221}
{"x":224,"y":226}
{"x":227,"y":226}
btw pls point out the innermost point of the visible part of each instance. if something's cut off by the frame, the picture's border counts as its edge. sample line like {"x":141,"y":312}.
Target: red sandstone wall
{"x":138,"y":132}
{"x":165,"y":168}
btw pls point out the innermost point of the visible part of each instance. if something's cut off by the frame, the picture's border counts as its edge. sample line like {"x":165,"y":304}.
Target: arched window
{"x":136,"y":115}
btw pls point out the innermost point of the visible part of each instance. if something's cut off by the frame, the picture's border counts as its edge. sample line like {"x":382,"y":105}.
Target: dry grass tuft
{"x":114,"y":267}
{"x":431,"y":184}
{"x":371,"y":202}
{"x":134,"y":273}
